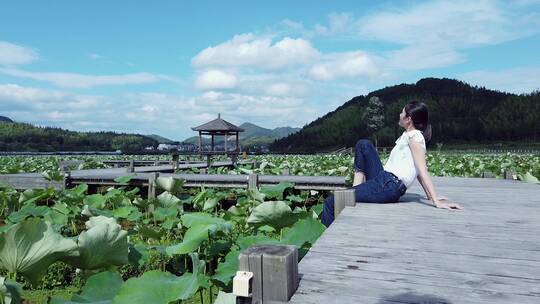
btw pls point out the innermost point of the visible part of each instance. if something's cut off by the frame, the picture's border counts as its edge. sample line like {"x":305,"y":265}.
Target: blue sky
{"x":164,"y":66}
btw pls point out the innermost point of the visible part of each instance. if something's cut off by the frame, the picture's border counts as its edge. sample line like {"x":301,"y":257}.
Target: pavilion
{"x":219,"y":127}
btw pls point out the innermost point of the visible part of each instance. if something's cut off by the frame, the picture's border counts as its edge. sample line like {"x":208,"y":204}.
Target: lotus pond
{"x":116,"y":246}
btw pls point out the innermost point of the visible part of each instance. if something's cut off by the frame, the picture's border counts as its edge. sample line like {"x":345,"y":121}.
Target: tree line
{"x":26,"y":137}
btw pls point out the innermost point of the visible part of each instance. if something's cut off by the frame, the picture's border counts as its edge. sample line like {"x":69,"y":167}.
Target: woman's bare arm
{"x":424,"y":187}
{"x":419,"y":157}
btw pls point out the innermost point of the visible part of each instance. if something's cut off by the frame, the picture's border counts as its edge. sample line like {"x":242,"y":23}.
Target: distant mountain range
{"x":253,"y":135}
{"x":161,"y":139}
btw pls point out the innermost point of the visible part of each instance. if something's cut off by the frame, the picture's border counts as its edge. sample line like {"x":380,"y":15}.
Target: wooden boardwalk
{"x":23,"y":181}
{"x":410,"y":252}
{"x":142,"y":177}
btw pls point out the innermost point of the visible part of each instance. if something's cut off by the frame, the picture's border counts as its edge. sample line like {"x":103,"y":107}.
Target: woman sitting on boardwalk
{"x":407,"y":161}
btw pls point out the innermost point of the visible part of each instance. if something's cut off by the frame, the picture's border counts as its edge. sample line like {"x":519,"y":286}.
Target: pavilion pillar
{"x":200,"y":142}
{"x":237,"y":149}
{"x":212,"y":142}
{"x":225,"y":142}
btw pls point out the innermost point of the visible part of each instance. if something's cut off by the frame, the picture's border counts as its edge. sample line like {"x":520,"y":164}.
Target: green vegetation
{"x":182,"y":246}
{"x":25,"y":137}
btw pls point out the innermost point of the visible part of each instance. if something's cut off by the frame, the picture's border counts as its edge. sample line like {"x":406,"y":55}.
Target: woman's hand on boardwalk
{"x":443,"y":203}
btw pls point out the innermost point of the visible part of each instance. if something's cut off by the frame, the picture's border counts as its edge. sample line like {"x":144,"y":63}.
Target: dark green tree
{"x":374,"y":116}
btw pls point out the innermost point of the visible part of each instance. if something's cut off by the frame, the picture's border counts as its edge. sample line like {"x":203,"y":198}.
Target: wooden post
{"x":175,"y":158}
{"x":203,"y":171}
{"x":66,"y":180}
{"x":208,"y":161}
{"x":253,"y":181}
{"x":64,"y":168}
{"x":152,"y":185}
{"x":510,"y":174}
{"x":131,"y":167}
{"x":275,"y":272}
{"x":488,"y":174}
{"x":237,"y":147}
{"x":200,"y":142}
{"x":286,"y":171}
{"x":212,"y":142}
{"x":343,"y":198}
{"x":225,"y":141}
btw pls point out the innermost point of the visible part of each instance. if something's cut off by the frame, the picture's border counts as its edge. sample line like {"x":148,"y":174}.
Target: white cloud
{"x":337,"y":23}
{"x":186,"y":112}
{"x":215,"y":79}
{"x":432,"y":33}
{"x":38,"y":99}
{"x":13,"y":54}
{"x":345,"y":65}
{"x":429,"y":34}
{"x":458,"y":23}
{"x":517,"y":80}
{"x":249,"y":50}
{"x":278,"y":89}
{"x":74,"y":80}
{"x":419,"y":57}
{"x":150,"y":112}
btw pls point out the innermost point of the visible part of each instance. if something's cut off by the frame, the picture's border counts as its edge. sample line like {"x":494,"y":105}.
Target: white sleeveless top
{"x":400,"y":162}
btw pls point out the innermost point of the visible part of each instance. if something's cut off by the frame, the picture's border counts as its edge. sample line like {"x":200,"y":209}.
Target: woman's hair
{"x":418,"y":112}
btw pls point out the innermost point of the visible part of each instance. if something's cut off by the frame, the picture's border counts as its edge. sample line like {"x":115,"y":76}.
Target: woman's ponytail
{"x":427,"y":133}
{"x":418,"y":112}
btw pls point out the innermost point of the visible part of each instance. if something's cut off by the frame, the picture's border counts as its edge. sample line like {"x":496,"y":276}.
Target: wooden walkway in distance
{"x":410,"y":252}
{"x":23,"y":181}
{"x":142,"y":177}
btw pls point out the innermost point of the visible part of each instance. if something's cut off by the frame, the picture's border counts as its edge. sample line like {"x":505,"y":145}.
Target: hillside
{"x":160,"y":139}
{"x":26,"y":137}
{"x":5,"y":119}
{"x":459,"y":113}
{"x":253,"y":135}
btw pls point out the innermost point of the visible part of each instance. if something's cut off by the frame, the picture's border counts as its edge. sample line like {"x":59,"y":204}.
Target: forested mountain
{"x":16,"y":136}
{"x":459,"y":113}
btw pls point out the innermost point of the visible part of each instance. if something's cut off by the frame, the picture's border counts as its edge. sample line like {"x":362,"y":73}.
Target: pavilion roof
{"x":218,"y":124}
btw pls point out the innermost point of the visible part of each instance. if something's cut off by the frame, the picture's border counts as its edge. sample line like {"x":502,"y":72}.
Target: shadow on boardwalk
{"x":413,"y":298}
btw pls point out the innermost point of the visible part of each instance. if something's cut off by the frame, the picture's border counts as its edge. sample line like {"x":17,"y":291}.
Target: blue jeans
{"x":379,"y":187}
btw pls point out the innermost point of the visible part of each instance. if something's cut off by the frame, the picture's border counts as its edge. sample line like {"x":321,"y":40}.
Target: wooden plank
{"x":343,"y":198}
{"x":253,"y":181}
{"x":131,"y":167}
{"x":412,"y":253}
{"x":152,"y":185}
{"x":35,"y":181}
